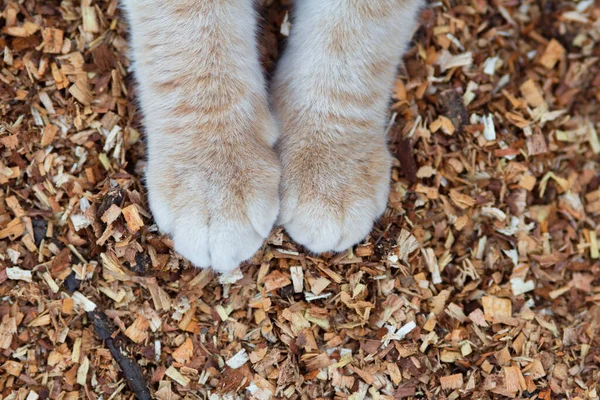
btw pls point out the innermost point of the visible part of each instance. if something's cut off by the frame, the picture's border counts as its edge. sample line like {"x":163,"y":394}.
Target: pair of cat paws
{"x":325,"y":181}
{"x":223,"y":167}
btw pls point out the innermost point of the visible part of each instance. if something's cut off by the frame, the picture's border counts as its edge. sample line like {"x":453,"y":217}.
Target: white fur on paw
{"x":332,"y":209}
{"x":220,"y":244}
{"x":321,"y":228}
{"x":212,"y":175}
{"x":216,"y":224}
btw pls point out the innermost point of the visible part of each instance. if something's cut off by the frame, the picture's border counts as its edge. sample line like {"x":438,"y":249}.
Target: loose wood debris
{"x":482,"y":279}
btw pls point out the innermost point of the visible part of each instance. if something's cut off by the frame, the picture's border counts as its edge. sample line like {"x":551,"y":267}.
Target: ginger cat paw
{"x":332,"y":193}
{"x":218,"y":202}
{"x":330,"y":94}
{"x":212,"y":175}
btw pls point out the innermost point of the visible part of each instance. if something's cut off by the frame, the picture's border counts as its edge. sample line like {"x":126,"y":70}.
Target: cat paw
{"x":218,"y":201}
{"x":212,"y":175}
{"x":331,"y":94}
{"x":332,"y":193}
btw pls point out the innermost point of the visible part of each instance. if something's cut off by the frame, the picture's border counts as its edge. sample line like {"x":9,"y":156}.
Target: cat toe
{"x":321,"y":228}
{"x":219,"y":244}
{"x":318,"y":234}
{"x":232,"y":244}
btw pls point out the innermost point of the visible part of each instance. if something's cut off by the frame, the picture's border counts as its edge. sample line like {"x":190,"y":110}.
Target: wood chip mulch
{"x":481,"y":281}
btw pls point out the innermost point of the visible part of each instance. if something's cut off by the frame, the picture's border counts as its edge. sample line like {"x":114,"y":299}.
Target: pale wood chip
{"x":451,"y":381}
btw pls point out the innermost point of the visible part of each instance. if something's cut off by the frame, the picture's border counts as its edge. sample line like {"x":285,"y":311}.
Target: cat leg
{"x":330,"y":94}
{"x":212,"y":175}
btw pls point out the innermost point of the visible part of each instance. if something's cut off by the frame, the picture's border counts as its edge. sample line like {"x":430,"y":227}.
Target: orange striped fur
{"x":220,"y":161}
